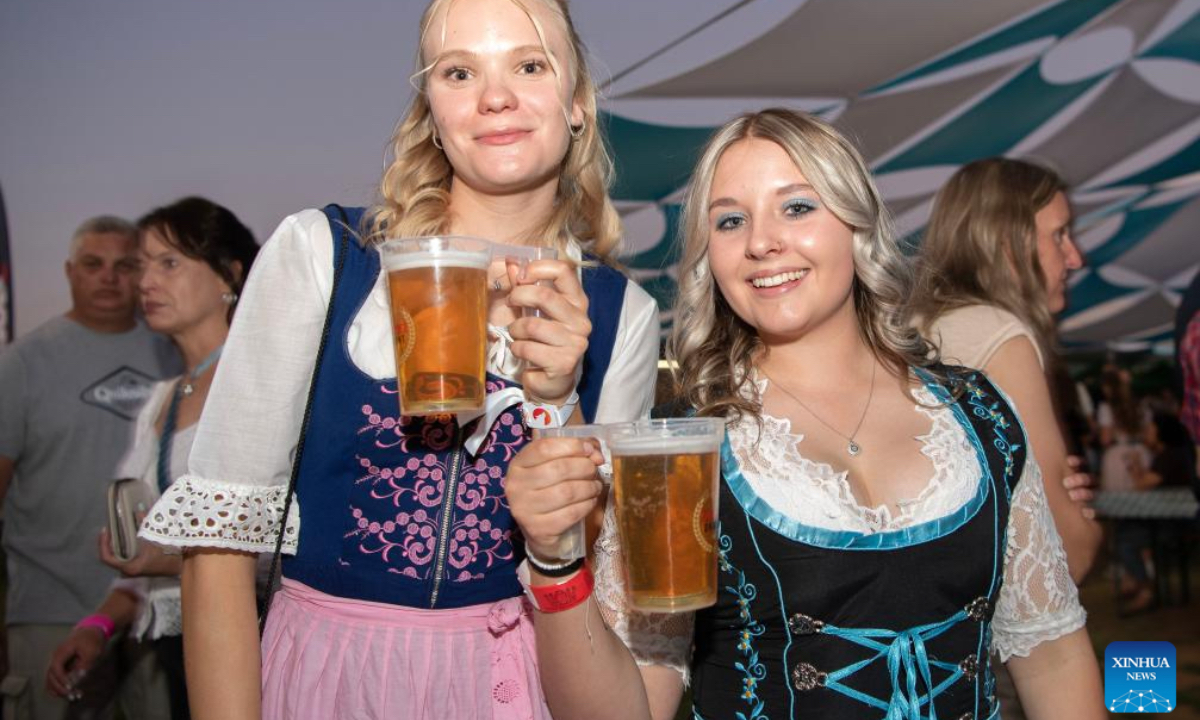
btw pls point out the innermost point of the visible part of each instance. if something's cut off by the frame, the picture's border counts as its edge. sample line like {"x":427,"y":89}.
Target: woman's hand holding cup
{"x":551,"y":485}
{"x":551,"y":343}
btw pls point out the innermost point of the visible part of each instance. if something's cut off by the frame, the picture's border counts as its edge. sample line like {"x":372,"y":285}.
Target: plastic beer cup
{"x":521,"y":256}
{"x":437,"y":287}
{"x":665,"y":477}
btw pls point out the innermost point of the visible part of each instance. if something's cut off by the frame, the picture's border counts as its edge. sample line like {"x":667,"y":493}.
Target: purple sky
{"x":267,"y":107}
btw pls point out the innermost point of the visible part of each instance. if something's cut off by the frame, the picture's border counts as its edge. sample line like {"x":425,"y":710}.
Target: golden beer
{"x":439,"y":317}
{"x":666,"y":493}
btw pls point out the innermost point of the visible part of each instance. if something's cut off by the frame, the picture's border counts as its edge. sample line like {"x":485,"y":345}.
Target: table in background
{"x":1172,"y":514}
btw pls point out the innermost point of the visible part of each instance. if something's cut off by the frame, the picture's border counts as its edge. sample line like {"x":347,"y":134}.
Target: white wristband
{"x":542,"y":415}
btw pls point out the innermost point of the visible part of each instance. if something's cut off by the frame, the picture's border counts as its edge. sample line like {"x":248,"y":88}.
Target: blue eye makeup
{"x":799,"y":206}
{"x":729,"y":221}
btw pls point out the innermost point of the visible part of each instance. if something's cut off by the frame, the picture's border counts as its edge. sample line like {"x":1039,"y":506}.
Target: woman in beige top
{"x":992,"y":273}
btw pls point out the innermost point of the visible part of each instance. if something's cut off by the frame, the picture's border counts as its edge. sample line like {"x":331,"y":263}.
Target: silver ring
{"x":496,"y":285}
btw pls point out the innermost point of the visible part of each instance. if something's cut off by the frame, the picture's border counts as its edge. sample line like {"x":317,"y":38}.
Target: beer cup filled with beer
{"x":665,"y":476}
{"x":438,"y":292}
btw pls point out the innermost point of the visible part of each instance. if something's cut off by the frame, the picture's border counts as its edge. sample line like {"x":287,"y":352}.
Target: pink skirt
{"x":329,"y":658}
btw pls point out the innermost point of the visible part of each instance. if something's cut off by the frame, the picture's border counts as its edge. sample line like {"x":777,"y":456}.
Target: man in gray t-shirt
{"x":70,"y":392}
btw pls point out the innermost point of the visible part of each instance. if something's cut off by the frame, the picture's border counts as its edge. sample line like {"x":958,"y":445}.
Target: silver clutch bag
{"x":129,"y":500}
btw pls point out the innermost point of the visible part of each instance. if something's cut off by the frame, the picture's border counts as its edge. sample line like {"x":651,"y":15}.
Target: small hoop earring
{"x":577,"y":130}
{"x":229,"y":297}
{"x":437,"y":143}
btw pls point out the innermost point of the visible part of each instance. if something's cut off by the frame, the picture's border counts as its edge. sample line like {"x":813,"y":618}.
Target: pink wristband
{"x":102,"y":622}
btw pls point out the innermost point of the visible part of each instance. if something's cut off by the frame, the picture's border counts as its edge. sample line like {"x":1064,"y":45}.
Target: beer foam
{"x":447,"y":258}
{"x":660,"y":445}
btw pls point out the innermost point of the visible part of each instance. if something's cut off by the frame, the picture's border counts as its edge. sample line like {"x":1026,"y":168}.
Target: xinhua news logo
{"x":1139,"y":677}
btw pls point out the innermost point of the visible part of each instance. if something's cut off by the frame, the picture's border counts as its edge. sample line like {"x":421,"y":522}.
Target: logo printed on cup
{"x":1139,"y":677}
{"x":406,"y":336}
{"x":703,"y":525}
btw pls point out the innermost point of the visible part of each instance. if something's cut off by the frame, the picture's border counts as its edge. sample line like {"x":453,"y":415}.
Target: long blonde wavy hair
{"x":415,"y":190}
{"x":980,"y":246}
{"x":714,"y":348}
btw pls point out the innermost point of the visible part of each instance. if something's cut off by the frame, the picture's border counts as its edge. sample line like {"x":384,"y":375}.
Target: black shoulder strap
{"x":340,"y":251}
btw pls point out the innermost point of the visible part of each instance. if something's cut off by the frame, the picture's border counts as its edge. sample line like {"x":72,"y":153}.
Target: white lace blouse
{"x":1038,"y":601}
{"x":232,"y":496}
{"x":158,"y":610}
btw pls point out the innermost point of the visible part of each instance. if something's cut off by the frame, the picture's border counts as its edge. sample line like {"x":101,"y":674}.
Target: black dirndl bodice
{"x":812,"y":623}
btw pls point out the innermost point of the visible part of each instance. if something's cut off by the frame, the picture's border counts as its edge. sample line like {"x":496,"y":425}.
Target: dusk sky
{"x":267,"y":107}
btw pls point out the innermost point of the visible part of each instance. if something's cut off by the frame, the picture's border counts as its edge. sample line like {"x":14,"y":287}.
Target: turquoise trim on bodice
{"x":752,"y":669}
{"x":762,"y":511}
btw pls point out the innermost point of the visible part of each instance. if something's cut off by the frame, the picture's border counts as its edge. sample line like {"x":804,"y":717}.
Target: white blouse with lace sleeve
{"x":232,"y":496}
{"x":652,"y":638}
{"x":1038,"y":601}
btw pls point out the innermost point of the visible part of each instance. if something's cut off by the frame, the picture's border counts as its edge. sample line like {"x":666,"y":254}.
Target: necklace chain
{"x":186,"y":385}
{"x":852,"y":447}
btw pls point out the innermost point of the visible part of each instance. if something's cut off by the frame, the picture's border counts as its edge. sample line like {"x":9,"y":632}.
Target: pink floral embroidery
{"x":413,"y":537}
{"x":398,"y":517}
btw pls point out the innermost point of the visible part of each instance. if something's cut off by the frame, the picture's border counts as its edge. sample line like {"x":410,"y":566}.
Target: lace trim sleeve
{"x":196,"y":512}
{"x":162,"y":615}
{"x":652,"y":638}
{"x":1038,"y":601}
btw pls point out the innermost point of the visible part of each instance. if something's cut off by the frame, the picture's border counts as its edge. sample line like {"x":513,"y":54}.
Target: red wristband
{"x":565,"y":595}
{"x":103,"y":623}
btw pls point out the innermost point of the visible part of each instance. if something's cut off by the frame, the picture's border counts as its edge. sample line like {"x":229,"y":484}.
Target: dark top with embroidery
{"x":394,"y":509}
{"x":812,"y":623}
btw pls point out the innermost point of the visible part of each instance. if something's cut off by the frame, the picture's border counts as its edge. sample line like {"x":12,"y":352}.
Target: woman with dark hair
{"x":195,"y":255}
{"x":1173,"y":462}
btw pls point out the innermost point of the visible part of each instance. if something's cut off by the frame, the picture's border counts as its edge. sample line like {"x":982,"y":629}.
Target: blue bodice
{"x":394,"y":508}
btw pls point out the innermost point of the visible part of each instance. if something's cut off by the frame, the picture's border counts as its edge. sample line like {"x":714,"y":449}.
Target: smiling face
{"x":500,"y":108}
{"x":1056,"y":249}
{"x":782,"y":260}
{"x":178,"y":292}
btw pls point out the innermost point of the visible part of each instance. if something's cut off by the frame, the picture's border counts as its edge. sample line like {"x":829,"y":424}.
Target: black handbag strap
{"x":273,"y":576}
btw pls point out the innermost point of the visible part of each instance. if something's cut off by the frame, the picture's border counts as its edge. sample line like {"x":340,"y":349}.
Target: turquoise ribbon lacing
{"x":909,"y":666}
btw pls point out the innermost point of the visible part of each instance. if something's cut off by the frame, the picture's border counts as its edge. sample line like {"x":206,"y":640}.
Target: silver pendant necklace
{"x":852,"y":447}
{"x":187,"y":384}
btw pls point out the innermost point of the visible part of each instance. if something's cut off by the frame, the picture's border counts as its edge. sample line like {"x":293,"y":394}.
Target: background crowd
{"x":119,"y":386}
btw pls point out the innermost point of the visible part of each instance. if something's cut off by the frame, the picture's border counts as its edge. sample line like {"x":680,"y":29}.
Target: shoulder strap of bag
{"x":340,"y":235}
